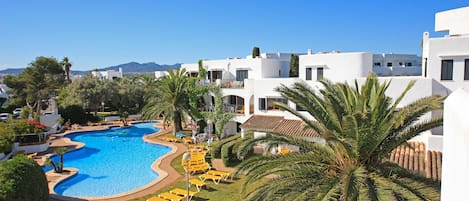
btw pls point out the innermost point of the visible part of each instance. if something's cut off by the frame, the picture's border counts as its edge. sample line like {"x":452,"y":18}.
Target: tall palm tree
{"x":170,"y":98}
{"x":66,"y":66}
{"x":360,"y":126}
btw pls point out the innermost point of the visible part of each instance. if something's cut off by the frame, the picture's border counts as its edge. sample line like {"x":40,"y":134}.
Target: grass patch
{"x":177,"y":165}
{"x":228,"y":190}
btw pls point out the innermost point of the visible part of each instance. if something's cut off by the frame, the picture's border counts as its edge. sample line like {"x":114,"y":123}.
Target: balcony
{"x":228,"y":84}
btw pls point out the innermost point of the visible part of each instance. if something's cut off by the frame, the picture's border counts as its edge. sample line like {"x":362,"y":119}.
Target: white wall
{"x":453,"y":48}
{"x":454,"y":21}
{"x":455,"y":166}
{"x":338,"y":67}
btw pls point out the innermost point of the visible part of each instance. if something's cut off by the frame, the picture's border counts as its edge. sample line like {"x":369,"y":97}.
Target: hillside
{"x":131,"y":68}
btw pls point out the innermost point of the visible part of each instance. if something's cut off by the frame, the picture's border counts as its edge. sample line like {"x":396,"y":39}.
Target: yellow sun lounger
{"x":284,"y":151}
{"x":154,"y":198}
{"x":223,"y":174}
{"x":215,"y":179}
{"x":198,"y":168}
{"x":197,"y":183}
{"x":170,"y":196}
{"x":182,"y":192}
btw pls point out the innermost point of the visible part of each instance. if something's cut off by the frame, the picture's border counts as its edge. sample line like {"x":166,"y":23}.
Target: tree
{"x":66,"y":66}
{"x":22,"y":179}
{"x":7,"y":137}
{"x":170,"y":98}
{"x":39,"y":81}
{"x":219,"y":116}
{"x":256,"y":52}
{"x":129,"y":96}
{"x":58,"y":168}
{"x":360,"y":126}
{"x":202,"y":72}
{"x":89,"y":93}
{"x":294,"y":65}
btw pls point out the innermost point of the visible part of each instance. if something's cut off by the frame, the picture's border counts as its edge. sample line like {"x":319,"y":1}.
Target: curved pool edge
{"x":143,"y":190}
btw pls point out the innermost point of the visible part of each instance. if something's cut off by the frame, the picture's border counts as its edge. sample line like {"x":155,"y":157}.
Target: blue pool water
{"x":113,"y":161}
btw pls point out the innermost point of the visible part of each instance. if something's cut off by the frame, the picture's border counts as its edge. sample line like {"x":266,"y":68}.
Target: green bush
{"x":227,"y":156}
{"x":22,"y":179}
{"x":75,"y":114}
{"x":216,"y":147}
{"x":7,"y":137}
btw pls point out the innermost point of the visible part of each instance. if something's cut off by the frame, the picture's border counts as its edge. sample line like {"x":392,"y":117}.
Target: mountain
{"x":136,"y":68}
{"x":14,"y":71}
{"x":131,"y":68}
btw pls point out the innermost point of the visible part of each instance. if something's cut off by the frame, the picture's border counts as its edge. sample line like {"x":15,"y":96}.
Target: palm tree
{"x":170,"y":98}
{"x":360,"y":127}
{"x":67,"y":66}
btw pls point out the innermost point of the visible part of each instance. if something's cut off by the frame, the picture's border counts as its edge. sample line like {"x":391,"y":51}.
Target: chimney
{"x":310,"y":52}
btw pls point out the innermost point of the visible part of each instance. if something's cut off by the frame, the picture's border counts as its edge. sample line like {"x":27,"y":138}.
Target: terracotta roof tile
{"x":262,"y":123}
{"x":278,"y":125}
{"x":294,"y":128}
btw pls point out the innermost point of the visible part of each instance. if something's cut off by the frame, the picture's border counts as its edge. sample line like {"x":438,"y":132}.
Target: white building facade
{"x":108,"y":74}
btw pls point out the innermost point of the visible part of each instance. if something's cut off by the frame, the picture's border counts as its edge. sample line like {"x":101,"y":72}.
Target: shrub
{"x":216,"y":147}
{"x":22,"y":179}
{"x":227,"y":156}
{"x":7,"y":137}
{"x":75,"y":114}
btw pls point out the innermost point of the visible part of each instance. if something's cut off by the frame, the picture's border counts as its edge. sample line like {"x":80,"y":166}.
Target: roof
{"x":262,"y":123}
{"x":294,"y":128}
{"x":278,"y":125}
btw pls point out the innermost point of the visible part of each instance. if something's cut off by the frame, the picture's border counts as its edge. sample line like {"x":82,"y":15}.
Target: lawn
{"x":227,"y":190}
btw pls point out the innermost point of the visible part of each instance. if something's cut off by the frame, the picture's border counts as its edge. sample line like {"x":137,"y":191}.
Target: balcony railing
{"x":232,"y":84}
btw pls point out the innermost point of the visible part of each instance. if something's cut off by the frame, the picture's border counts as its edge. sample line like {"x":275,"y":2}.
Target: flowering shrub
{"x":21,"y":128}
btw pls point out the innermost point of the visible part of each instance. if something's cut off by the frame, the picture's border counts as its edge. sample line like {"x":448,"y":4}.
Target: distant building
{"x":397,"y":64}
{"x":3,"y":93}
{"x":160,"y":74}
{"x":108,"y":74}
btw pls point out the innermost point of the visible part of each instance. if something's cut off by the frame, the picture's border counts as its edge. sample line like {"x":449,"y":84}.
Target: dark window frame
{"x":447,"y":69}
{"x":319,"y":73}
{"x":309,"y":75}
{"x":262,"y":104}
{"x":466,"y":69}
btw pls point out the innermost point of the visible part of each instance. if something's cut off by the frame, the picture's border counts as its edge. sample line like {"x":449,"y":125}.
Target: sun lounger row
{"x":176,"y":194}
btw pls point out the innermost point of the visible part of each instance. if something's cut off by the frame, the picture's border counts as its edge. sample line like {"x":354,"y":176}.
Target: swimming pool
{"x":113,"y":161}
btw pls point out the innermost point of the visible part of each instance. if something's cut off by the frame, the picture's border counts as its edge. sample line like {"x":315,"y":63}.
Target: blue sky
{"x":96,"y":34}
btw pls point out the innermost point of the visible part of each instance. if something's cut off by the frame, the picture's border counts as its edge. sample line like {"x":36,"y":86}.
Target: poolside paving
{"x":168,"y":175}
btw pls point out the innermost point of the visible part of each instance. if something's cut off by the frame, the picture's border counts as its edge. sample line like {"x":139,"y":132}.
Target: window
{"x":408,"y":64}
{"x":271,"y":103}
{"x":320,"y":74}
{"x":466,"y":69}
{"x":377,"y":63}
{"x":400,"y":63}
{"x":389,"y":64}
{"x":308,"y":74}
{"x":447,"y":70}
{"x":241,"y":75}
{"x":261,"y":103}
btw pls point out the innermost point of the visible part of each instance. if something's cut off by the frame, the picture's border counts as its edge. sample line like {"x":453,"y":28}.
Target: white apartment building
{"x":446,"y":59}
{"x":108,"y":74}
{"x":248,"y":84}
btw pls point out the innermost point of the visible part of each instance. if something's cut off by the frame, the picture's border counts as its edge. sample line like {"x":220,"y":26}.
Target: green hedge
{"x":227,"y":156}
{"x":22,"y":179}
{"x":216,"y":147}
